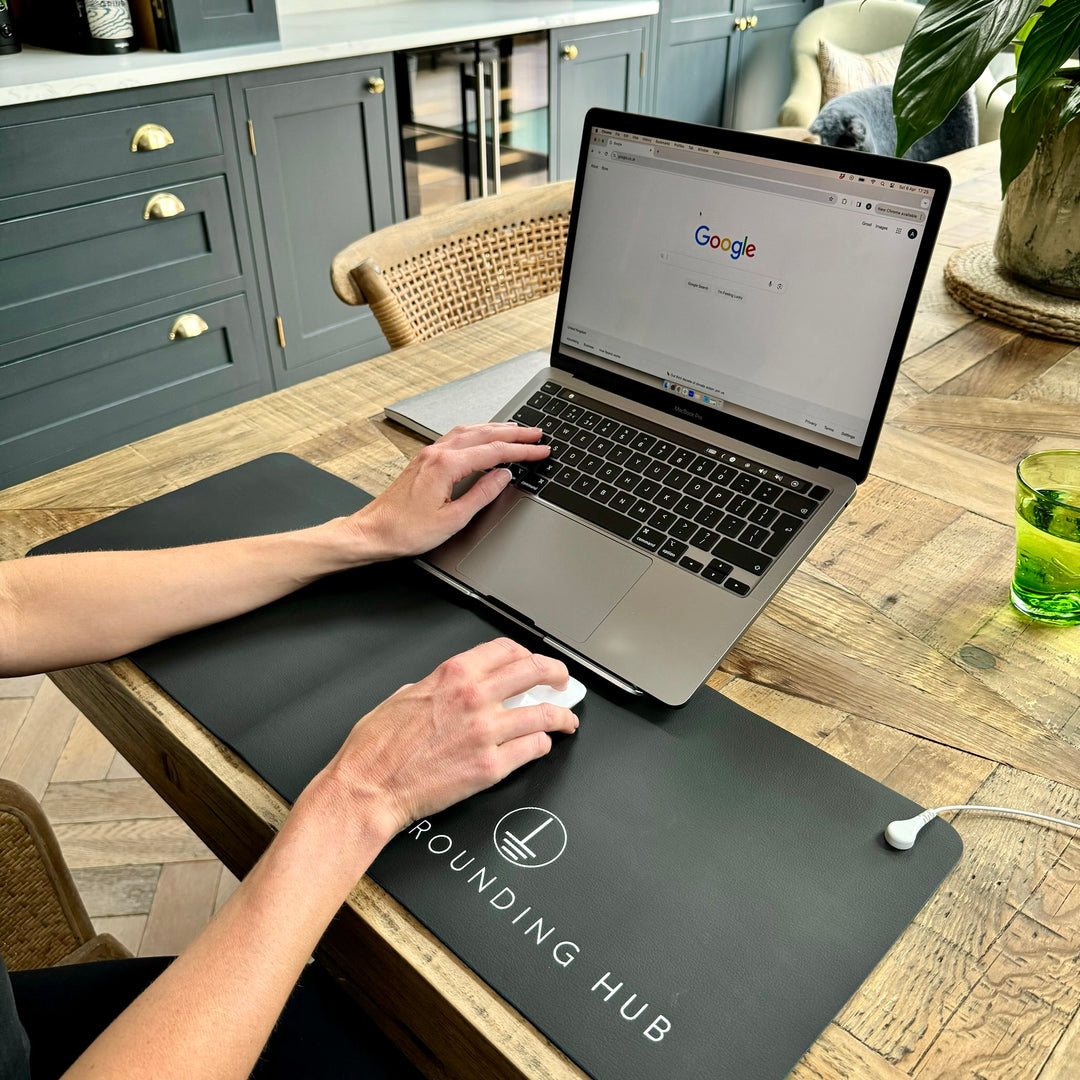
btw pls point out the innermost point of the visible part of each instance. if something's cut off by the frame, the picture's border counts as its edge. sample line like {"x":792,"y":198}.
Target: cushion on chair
{"x":843,"y":70}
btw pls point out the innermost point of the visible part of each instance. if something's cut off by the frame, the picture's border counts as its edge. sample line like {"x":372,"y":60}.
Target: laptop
{"x":732,"y":315}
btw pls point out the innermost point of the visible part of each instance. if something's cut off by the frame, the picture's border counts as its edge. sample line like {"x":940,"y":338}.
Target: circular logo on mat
{"x":530,"y":836}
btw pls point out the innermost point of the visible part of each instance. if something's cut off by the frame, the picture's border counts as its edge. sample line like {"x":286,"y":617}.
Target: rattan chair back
{"x":453,"y":267}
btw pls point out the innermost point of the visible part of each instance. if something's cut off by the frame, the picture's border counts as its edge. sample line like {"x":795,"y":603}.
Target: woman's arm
{"x":61,"y":610}
{"x":429,"y":745}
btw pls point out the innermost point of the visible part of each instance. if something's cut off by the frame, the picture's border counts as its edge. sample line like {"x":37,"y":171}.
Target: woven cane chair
{"x":453,"y":267}
{"x":43,"y":921}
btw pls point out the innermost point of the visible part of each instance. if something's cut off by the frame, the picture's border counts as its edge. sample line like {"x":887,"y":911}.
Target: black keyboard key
{"x":741,"y":505}
{"x":531,"y":483}
{"x":702,"y":466}
{"x":649,"y":539}
{"x":657,"y":470}
{"x":556,"y":406}
{"x":731,"y":525}
{"x":817,"y":493}
{"x":782,"y":532}
{"x":565,"y":432}
{"x":571,"y":413}
{"x":663,"y":450}
{"x":607,"y":427}
{"x":719,"y":497}
{"x":590,"y":463}
{"x":723,"y":474}
{"x":754,"y":536}
{"x":549,"y":425}
{"x":737,"y":586}
{"x":619,"y":454}
{"x":585,"y":484}
{"x":638,"y":462}
{"x":672,"y":550}
{"x":601,"y":447}
{"x":547,"y":467}
{"x":566,"y":476}
{"x":676,"y":478}
{"x":667,"y":498}
{"x":682,"y":457}
{"x":589,"y":420}
{"x":551,"y":387}
{"x":744,"y":483}
{"x":622,"y":502}
{"x":797,"y":505}
{"x":572,"y":455}
{"x":528,"y":417}
{"x":683,"y":529}
{"x":716,"y":571}
{"x":744,"y":557}
{"x":708,"y":516}
{"x":704,"y":539}
{"x":662,"y":520}
{"x":608,"y":471}
{"x":762,"y":515}
{"x":643,"y":443}
{"x":627,"y":480}
{"x":697,"y":488}
{"x":687,"y":507}
{"x":584,"y":439}
{"x":642,"y":510}
{"x":647,"y":489}
{"x":557,"y":451}
{"x":766,"y":493}
{"x":625,"y":435}
{"x":603,"y":492}
{"x":591,"y":511}
{"x":539,"y":400}
{"x":690,"y":564}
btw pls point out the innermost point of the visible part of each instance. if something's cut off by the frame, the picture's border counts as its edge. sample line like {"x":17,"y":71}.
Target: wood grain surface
{"x":894,"y":648}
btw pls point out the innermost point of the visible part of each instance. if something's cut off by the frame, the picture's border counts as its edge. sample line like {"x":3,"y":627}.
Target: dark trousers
{"x":322,"y":1034}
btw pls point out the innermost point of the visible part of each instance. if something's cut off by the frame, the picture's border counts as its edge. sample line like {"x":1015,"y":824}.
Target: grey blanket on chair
{"x":863,"y":120}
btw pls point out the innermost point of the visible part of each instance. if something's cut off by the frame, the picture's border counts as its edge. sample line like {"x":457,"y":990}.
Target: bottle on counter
{"x":86,"y":26}
{"x":9,"y":40}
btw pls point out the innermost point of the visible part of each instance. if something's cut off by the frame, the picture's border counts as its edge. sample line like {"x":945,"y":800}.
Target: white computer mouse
{"x":568,"y":698}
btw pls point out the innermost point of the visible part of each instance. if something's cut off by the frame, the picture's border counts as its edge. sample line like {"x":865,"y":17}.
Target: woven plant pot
{"x":1038,"y":236}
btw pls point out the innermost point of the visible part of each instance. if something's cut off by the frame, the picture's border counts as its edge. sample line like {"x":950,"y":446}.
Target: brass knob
{"x":162,"y":205}
{"x":151,"y":137}
{"x":752,"y":22}
{"x":569,"y":52}
{"x":188,"y":326}
{"x":741,"y":24}
{"x":376,"y":85}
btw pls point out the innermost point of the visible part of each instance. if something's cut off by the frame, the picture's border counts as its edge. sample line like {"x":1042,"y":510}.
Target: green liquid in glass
{"x":1046,"y":584}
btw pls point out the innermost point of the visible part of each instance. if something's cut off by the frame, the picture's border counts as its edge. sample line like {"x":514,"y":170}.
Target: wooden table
{"x":908,"y":660}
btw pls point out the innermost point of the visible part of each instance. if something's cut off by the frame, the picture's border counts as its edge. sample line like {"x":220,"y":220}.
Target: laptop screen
{"x":760,"y":288}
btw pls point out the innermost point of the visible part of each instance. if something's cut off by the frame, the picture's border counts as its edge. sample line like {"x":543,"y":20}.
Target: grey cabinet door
{"x":763,"y":75}
{"x":592,"y":65}
{"x":697,"y":59}
{"x":321,"y":171}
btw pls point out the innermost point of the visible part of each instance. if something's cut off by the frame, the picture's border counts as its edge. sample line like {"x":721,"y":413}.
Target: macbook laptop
{"x":732,"y":315}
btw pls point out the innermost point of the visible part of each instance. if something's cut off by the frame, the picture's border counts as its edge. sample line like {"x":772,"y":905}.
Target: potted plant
{"x":950,"y":45}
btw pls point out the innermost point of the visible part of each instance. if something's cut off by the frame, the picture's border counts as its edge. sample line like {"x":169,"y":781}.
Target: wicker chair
{"x":446,"y":269}
{"x":43,"y":921}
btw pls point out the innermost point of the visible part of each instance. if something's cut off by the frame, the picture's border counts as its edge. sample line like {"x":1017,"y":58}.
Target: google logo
{"x":705,"y":238}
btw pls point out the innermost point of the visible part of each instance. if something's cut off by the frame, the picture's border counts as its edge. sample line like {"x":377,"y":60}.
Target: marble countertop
{"x":42,"y":74}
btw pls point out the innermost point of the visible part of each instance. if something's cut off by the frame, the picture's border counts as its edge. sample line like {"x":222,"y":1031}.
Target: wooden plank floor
{"x":143,"y":874}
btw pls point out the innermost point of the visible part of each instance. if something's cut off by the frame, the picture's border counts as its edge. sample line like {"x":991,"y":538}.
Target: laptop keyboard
{"x":713,"y":513}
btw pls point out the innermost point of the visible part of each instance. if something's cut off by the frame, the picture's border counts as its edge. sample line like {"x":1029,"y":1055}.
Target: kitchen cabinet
{"x":321,"y":165}
{"x":601,"y":65}
{"x":726,"y":62}
{"x":128,"y":285}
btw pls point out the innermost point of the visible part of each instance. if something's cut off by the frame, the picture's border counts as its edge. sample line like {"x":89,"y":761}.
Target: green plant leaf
{"x":1070,"y":108}
{"x":1053,"y":39}
{"x":949,"y":47}
{"x":1022,"y":127}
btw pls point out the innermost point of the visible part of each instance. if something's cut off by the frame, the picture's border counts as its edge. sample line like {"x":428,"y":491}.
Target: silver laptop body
{"x":732,"y":316}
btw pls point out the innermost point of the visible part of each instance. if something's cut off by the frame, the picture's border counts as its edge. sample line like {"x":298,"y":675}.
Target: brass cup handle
{"x":151,"y":137}
{"x":376,"y":85}
{"x":569,"y":52}
{"x":162,"y":205}
{"x":188,"y":326}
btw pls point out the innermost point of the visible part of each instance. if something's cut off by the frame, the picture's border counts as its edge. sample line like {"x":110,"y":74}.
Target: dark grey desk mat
{"x":714,"y":889}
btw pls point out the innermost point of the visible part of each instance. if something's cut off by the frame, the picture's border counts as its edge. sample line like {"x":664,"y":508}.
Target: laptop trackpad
{"x":564,"y":576}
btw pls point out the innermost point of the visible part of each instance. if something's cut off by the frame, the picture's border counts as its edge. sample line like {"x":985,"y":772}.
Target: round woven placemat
{"x":973,"y":277}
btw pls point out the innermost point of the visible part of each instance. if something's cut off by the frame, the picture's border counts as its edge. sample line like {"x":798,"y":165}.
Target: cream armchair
{"x":864,"y":26}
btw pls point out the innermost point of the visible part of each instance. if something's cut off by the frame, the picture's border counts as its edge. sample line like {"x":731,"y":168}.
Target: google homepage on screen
{"x":773,"y":294}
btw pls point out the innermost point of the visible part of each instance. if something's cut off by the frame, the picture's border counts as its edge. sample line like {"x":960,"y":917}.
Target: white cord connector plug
{"x":902,"y":834}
